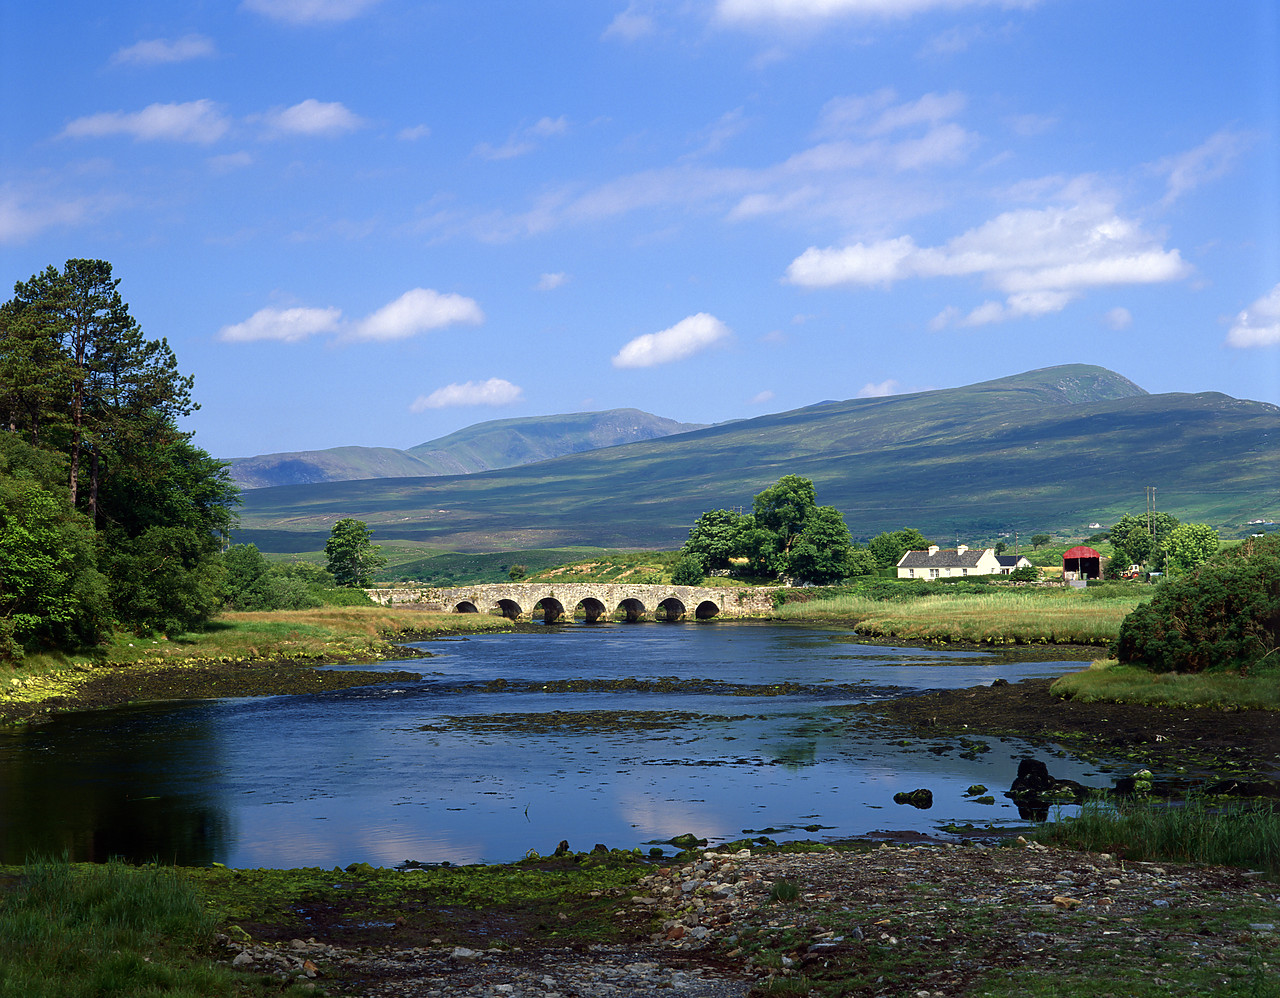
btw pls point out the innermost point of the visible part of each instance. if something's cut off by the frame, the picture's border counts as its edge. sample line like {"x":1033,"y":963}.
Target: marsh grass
{"x":75,"y":931}
{"x":1013,"y":616}
{"x":1107,"y":680}
{"x":1197,"y":831}
{"x":327,"y":632}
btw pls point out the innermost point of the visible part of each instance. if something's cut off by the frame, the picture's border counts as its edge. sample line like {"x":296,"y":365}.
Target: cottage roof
{"x":942,"y":559}
{"x":1011,"y":560}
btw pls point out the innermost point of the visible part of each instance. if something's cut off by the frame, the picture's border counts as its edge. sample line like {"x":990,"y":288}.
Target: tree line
{"x":787,"y":534}
{"x":109,"y":515}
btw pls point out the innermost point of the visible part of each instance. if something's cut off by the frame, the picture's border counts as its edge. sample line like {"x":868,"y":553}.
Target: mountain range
{"x":1052,"y":450}
{"x":498,"y":443}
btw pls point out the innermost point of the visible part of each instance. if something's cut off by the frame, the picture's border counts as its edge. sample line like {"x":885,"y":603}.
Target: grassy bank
{"x":1025,"y":615}
{"x":1197,"y":831}
{"x":80,"y":931}
{"x":1107,"y":680}
{"x":235,"y":642}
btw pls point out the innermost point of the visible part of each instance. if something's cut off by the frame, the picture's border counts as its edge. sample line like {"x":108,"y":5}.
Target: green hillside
{"x":498,"y":443}
{"x":1053,"y":450}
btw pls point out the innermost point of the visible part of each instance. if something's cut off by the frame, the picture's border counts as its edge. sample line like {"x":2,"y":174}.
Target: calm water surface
{"x":458,"y":767}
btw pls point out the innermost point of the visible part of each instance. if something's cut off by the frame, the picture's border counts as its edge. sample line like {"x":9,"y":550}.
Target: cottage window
{"x":933,"y":573}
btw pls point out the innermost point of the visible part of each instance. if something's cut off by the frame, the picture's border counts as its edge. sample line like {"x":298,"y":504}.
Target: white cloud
{"x":545,"y":127}
{"x":495,"y":392}
{"x":309,"y":11}
{"x":1041,"y":259}
{"x":230,"y":161}
{"x":760,"y":398}
{"x":549,"y":282}
{"x":871,"y":390}
{"x":880,"y":113}
{"x":1118,"y":318}
{"x":195,"y":121}
{"x":287,"y":325}
{"x":524,"y":140}
{"x":25,"y":213}
{"x":1259,"y":324}
{"x":1207,"y":161}
{"x":418,"y":311}
{"x":814,"y":11}
{"x":312,"y":117}
{"x":159,"y":51}
{"x":867,"y":181}
{"x":413,"y":133}
{"x":684,"y":339}
{"x":629,"y":25}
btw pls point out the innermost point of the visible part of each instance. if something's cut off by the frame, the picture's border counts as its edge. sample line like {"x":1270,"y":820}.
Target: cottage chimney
{"x":961,"y":548}
{"x":933,"y":549}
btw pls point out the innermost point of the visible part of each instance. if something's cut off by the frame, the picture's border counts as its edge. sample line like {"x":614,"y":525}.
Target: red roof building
{"x":1082,"y":563}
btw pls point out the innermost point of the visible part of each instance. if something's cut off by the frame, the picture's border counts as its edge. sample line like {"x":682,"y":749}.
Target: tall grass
{"x":96,"y":931}
{"x":1107,"y":680}
{"x":1013,"y":616}
{"x":1194,"y":832}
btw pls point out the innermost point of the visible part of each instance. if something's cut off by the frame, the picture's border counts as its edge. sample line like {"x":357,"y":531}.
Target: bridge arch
{"x":671,"y":609}
{"x":552,"y":609}
{"x":706,"y":610}
{"x":508,"y":608}
{"x":465,"y":606}
{"x":592,"y":609}
{"x":633,"y":609}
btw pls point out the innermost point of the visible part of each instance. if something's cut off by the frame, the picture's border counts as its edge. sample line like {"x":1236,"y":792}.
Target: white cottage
{"x":937,"y":563}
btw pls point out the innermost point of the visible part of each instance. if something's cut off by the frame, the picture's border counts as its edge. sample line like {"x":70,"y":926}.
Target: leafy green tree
{"x":165,"y":579}
{"x":1188,"y":546}
{"x":889,"y":548}
{"x":51,"y":592}
{"x":248,"y":578}
{"x":1224,"y":615}
{"x":1133,"y":540}
{"x":821,"y":552}
{"x":119,"y":391}
{"x":783,"y":509}
{"x":717,"y":537}
{"x":1001,"y":547}
{"x":518,"y":573}
{"x":79,"y":378}
{"x":1040,"y":540}
{"x":353,"y":557}
{"x":690,"y":570}
{"x":860,"y":561}
{"x":253,"y":583}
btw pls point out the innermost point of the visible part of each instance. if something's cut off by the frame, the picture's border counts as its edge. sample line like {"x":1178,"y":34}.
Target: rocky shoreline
{"x":925,"y":920}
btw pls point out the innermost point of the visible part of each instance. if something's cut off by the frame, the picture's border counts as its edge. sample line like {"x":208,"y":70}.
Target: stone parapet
{"x":517,"y":599}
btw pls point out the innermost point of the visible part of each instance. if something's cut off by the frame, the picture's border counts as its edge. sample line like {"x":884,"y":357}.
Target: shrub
{"x":1224,"y":615}
{"x":689,"y":570}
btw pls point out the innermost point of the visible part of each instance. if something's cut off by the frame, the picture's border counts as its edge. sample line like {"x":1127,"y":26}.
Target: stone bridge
{"x":562,"y":601}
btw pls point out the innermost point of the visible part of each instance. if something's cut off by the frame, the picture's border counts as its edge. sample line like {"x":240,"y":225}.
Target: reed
{"x":1196,"y":831}
{"x":81,"y":931}
{"x":1014,"y":616}
{"x":1107,"y":680}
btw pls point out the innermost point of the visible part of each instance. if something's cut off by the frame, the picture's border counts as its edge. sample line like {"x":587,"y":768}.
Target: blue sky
{"x":377,"y":221}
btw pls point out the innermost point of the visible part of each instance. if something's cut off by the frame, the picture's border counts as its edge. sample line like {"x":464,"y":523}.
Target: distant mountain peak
{"x":487,"y":446}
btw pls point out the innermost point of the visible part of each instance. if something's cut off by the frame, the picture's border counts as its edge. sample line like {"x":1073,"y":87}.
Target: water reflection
{"x":108,"y":784}
{"x":452,"y":769}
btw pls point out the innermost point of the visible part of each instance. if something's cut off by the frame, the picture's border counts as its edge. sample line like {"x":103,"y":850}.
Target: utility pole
{"x":1151,"y":509}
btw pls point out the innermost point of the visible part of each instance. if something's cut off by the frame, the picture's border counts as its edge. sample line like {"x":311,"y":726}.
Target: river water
{"x":624,"y":735}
